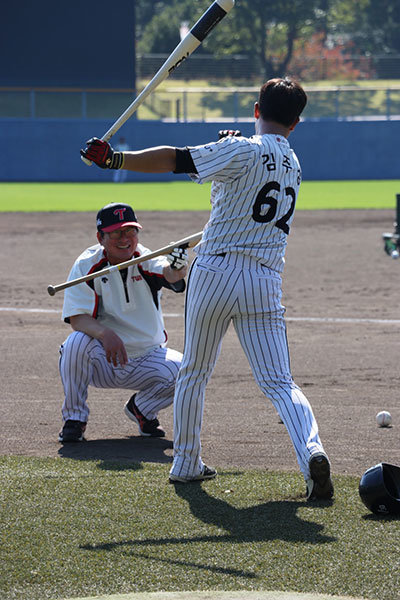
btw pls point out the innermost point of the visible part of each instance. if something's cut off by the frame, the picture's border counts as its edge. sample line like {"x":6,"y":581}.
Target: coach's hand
{"x":178,"y":258}
{"x":102,"y":154}
{"x":114,"y":348}
{"x":228,"y":133}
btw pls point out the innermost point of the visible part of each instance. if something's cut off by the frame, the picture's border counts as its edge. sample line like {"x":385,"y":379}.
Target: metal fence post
{"x":185,"y":106}
{"x":236,"y":106}
{"x":337,"y":103}
{"x":388,"y":100}
{"x":397,"y":214}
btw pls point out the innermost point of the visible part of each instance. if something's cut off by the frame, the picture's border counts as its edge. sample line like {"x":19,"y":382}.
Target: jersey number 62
{"x":262,"y":216}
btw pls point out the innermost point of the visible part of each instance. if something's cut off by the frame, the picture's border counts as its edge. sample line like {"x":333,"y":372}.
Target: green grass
{"x":332,"y":195}
{"x":69,"y":197}
{"x":182,"y":195}
{"x":81,"y":528}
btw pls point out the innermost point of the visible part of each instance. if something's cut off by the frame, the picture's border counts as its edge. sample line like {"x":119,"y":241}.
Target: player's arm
{"x":112,"y":343}
{"x":160,"y":159}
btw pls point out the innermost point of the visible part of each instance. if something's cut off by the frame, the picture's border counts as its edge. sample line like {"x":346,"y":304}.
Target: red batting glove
{"x":102,"y":154}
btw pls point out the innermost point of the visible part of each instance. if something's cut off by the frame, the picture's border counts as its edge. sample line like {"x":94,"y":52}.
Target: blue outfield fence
{"x":48,"y":150}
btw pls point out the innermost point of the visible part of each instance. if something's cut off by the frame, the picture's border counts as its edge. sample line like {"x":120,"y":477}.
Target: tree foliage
{"x":271,"y":31}
{"x":266,"y":30}
{"x":161,"y":34}
{"x":382,"y":27}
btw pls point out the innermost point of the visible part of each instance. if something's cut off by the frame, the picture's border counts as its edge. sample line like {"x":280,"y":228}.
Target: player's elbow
{"x":166,"y":159}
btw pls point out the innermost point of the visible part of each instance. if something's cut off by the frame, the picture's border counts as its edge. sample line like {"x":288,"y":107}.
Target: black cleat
{"x":147,"y":427}
{"x":72,"y":431}
{"x":207,"y":473}
{"x":319,"y":486}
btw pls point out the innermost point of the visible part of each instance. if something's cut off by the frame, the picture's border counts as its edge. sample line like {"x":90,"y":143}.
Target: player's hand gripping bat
{"x":185,"y":48}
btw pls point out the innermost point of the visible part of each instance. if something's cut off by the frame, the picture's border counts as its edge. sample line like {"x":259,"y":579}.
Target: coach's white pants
{"x":83,"y":362}
{"x":239,"y":289}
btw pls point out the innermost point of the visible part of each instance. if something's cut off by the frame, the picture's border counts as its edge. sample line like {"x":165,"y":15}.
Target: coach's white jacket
{"x":129,"y":306}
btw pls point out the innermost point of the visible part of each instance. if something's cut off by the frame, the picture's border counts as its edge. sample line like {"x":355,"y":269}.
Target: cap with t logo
{"x":115,"y":216}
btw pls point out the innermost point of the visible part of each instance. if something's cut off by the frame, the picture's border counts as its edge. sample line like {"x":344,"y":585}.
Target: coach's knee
{"x":77,"y":346}
{"x":173,"y":362}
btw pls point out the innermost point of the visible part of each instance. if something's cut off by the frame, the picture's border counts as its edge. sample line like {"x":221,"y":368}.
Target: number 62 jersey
{"x":255,"y":183}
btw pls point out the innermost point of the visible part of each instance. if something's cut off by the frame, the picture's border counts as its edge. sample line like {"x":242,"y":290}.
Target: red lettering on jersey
{"x":137,"y":277}
{"x":120,"y":213}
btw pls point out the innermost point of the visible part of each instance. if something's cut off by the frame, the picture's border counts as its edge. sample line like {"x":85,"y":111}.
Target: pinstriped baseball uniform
{"x":130,"y":306}
{"x":236,"y":277}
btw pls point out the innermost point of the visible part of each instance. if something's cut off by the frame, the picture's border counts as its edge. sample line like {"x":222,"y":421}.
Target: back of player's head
{"x":281,"y":100}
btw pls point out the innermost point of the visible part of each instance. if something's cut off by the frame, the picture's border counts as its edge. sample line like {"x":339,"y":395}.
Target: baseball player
{"x":119,"y":339}
{"x":236,"y":276}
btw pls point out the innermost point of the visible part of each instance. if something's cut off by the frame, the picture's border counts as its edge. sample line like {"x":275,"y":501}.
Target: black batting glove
{"x":178,"y":258}
{"x":102,"y":154}
{"x":229,"y":133}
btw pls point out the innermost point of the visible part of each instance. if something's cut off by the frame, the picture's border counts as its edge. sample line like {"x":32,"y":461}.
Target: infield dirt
{"x":341,"y":294}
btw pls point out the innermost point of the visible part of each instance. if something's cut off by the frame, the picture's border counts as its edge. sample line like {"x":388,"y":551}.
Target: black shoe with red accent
{"x":147,"y":427}
{"x":72,"y":431}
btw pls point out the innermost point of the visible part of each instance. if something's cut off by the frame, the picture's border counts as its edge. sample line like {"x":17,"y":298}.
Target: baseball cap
{"x":115,"y":216}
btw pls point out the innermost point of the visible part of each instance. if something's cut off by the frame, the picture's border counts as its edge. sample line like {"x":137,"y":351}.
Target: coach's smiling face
{"x":119,"y":244}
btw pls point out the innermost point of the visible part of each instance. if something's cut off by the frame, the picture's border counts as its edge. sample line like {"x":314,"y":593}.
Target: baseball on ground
{"x":384,"y":418}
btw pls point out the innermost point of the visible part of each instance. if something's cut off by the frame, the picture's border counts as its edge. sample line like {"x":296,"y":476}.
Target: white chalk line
{"x":29,"y":310}
{"x":343,"y":320}
{"x":180,"y":315}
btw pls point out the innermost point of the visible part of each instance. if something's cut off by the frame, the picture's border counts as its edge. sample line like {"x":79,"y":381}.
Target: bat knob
{"x":51,"y":290}
{"x":86,"y":161}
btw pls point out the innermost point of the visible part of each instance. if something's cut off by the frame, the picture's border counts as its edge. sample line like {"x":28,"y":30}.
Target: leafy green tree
{"x":270,"y":31}
{"x":382,"y":32}
{"x":145,"y":11}
{"x":265,"y":30}
{"x":279,"y":28}
{"x":373,"y":25}
{"x":161,"y":34}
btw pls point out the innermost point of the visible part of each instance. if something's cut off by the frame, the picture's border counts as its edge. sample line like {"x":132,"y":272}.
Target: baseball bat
{"x":187,"y":242}
{"x":185,"y":48}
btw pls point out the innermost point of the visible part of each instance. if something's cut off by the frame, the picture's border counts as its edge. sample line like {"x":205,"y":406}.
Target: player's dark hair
{"x":282,"y":101}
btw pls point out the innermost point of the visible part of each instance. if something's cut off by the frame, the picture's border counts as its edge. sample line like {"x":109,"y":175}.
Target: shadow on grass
{"x":274,"y":520}
{"x":269,"y":521}
{"x":120,"y":454}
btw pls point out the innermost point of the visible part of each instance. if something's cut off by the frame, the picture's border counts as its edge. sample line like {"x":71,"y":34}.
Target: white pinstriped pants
{"x":83,"y":362}
{"x":240,"y":289}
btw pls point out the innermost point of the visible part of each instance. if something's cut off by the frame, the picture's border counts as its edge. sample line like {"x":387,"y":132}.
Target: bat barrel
{"x":211,"y":18}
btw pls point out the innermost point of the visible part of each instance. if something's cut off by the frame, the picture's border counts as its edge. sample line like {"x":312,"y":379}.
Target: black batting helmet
{"x":379,"y":489}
